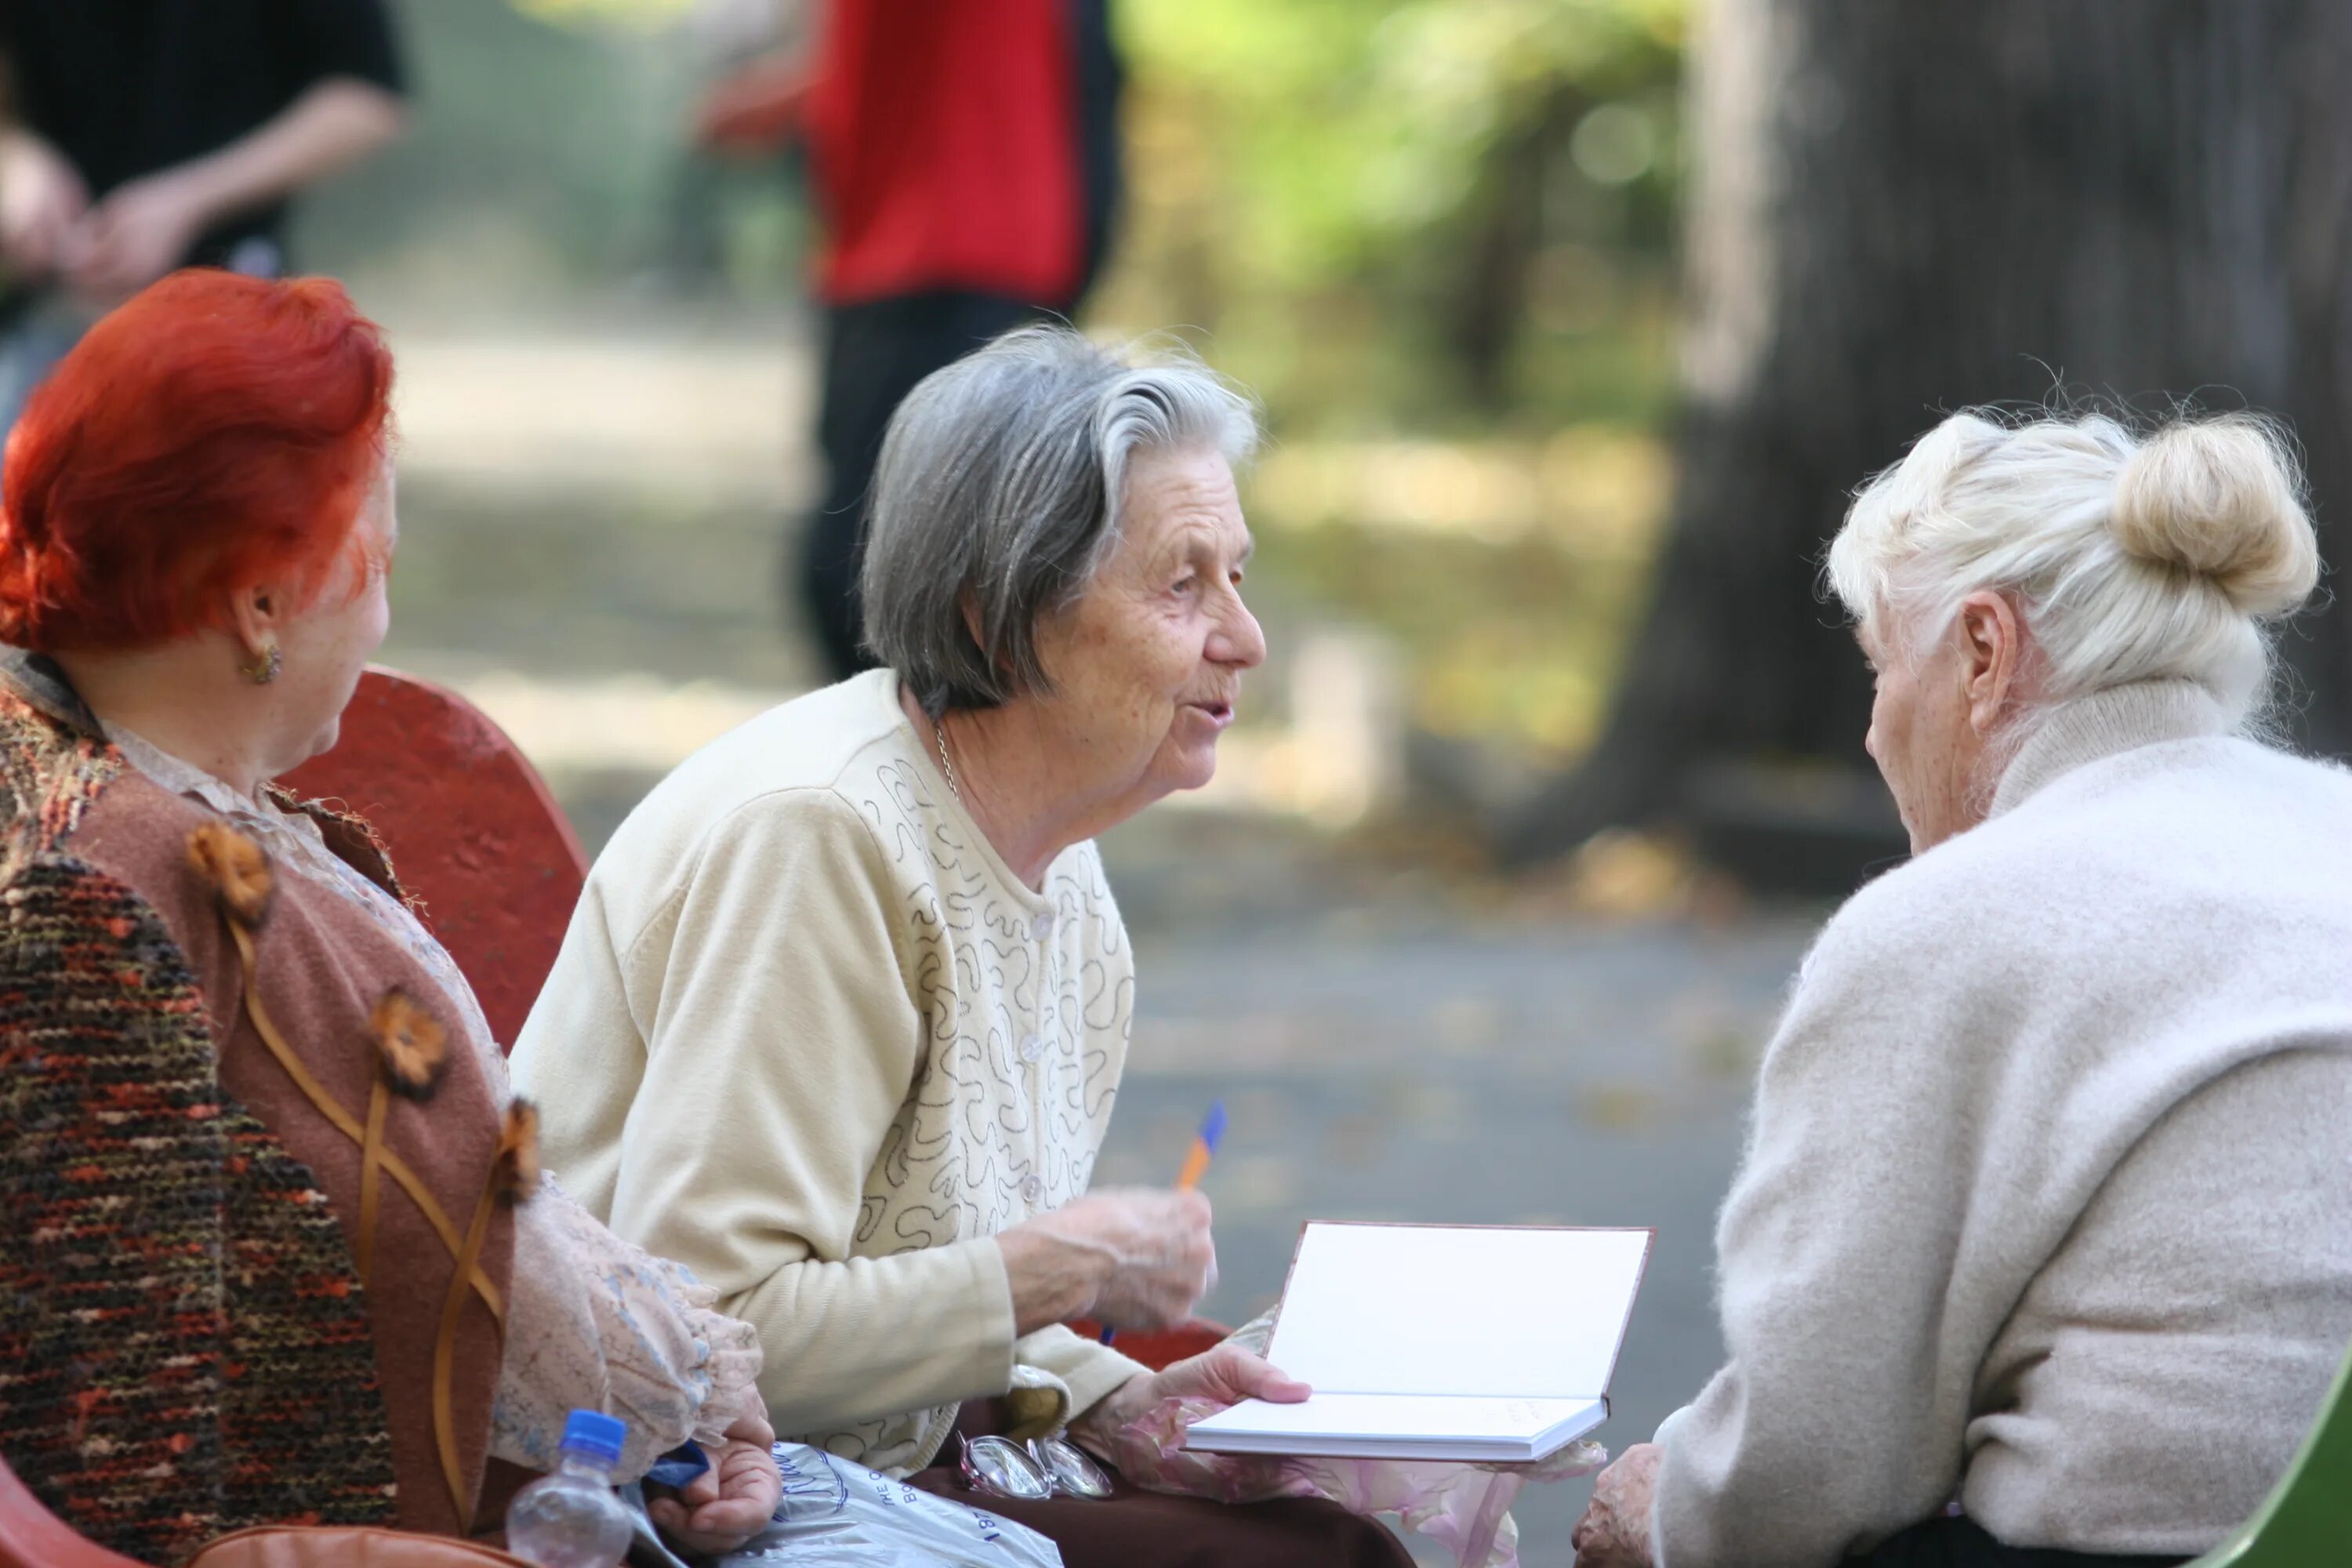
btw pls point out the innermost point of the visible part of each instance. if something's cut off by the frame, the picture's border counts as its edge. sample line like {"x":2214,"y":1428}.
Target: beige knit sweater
{"x":809,"y":1036}
{"x":2048,"y":1193}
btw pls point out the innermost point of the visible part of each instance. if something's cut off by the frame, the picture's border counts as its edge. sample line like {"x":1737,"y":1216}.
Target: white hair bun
{"x":2221,"y":499}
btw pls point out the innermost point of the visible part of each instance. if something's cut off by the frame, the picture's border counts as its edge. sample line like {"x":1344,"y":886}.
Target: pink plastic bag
{"x":1464,"y":1508}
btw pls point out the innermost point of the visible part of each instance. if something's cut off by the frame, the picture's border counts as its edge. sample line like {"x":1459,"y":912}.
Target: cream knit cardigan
{"x":809,"y":1037}
{"x":2048,"y":1192}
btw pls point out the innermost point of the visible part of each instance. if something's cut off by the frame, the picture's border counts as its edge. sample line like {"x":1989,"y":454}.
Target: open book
{"x":1426,"y":1341}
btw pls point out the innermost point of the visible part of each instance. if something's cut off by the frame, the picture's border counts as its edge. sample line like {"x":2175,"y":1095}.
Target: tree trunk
{"x":1904,"y":210}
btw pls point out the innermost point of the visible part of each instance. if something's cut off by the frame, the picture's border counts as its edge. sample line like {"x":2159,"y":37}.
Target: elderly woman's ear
{"x":1994,"y":656}
{"x":975,"y":622}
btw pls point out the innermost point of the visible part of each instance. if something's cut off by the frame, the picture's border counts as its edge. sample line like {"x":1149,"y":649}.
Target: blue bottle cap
{"x":593,"y":1435}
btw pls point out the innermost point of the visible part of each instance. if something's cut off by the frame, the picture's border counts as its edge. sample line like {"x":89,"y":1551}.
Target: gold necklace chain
{"x":947,"y":763}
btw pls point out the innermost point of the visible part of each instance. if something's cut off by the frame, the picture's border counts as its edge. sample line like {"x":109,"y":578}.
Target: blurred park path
{"x":591,"y":530}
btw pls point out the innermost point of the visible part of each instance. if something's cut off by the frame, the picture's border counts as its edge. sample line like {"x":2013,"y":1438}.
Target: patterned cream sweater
{"x":809,"y":1037}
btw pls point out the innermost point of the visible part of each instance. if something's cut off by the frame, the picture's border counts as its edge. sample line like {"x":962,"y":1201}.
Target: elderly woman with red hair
{"x":274,"y":1243}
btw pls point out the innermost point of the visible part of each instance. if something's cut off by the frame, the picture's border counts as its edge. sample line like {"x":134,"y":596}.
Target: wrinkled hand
{"x":1615,"y":1529}
{"x":1224,"y":1374}
{"x":41,"y":200}
{"x":136,"y":234}
{"x":731,"y":1503}
{"x":1137,"y":1258}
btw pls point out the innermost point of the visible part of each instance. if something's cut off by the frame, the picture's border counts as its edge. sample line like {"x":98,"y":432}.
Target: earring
{"x":265,"y":666}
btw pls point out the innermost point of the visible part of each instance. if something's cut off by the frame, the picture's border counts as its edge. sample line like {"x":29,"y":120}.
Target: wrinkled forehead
{"x":1182,"y":495}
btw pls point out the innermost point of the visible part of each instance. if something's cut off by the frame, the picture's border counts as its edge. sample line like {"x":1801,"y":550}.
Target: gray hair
{"x":997,"y":497}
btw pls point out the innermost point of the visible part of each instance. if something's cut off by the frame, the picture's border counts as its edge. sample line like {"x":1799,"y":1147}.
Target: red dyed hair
{"x":215,"y":432}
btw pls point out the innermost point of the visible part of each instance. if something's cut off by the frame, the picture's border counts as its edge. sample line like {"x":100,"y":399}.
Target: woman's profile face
{"x":1147,"y":665}
{"x":1920,"y":737}
{"x":329,"y":642}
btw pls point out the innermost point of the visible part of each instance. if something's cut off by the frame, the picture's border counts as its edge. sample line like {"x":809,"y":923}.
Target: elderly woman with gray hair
{"x":841,"y":1016}
{"x":2046,"y":1207}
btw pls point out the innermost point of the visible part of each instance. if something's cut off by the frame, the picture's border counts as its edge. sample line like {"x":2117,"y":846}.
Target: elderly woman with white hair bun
{"x":2042,"y":1249}
{"x":841,"y":1016}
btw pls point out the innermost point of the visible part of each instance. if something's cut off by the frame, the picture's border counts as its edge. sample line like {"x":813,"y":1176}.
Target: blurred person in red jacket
{"x":965,"y":161}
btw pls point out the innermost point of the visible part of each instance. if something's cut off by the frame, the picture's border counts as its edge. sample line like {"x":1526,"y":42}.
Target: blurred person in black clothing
{"x":141,"y":136}
{"x":965,"y":164}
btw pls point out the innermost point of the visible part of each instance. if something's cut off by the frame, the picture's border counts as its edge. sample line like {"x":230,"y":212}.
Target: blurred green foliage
{"x":1450,"y":221}
{"x":1410,"y":213}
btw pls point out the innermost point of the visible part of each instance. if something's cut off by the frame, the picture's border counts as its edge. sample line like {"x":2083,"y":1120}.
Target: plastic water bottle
{"x":570,"y":1518}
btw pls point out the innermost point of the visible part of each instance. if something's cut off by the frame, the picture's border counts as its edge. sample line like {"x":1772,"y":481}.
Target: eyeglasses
{"x":1031,"y":1472}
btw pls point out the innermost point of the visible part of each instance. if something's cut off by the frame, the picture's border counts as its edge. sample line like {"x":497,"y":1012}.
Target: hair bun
{"x":2222,"y":500}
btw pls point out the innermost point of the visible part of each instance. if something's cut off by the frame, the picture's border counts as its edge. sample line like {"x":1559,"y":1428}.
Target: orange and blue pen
{"x":1196,"y":1163}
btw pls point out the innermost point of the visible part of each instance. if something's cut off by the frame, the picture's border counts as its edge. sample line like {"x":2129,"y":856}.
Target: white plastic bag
{"x":838,"y":1514}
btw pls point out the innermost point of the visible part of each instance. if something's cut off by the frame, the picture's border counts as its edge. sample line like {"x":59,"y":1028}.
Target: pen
{"x":1196,"y":1163}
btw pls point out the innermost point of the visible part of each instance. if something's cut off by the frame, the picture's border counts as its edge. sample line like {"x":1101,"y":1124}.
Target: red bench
{"x":475,"y":834}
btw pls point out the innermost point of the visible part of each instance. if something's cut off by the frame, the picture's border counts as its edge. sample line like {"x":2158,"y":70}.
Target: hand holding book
{"x":1227,"y":1374}
{"x":1486,"y":1343}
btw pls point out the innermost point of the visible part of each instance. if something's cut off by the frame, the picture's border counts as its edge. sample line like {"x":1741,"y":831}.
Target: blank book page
{"x":1501,"y":1312}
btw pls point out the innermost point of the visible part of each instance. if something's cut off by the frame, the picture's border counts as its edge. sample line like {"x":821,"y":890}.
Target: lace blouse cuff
{"x":597,"y":1323}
